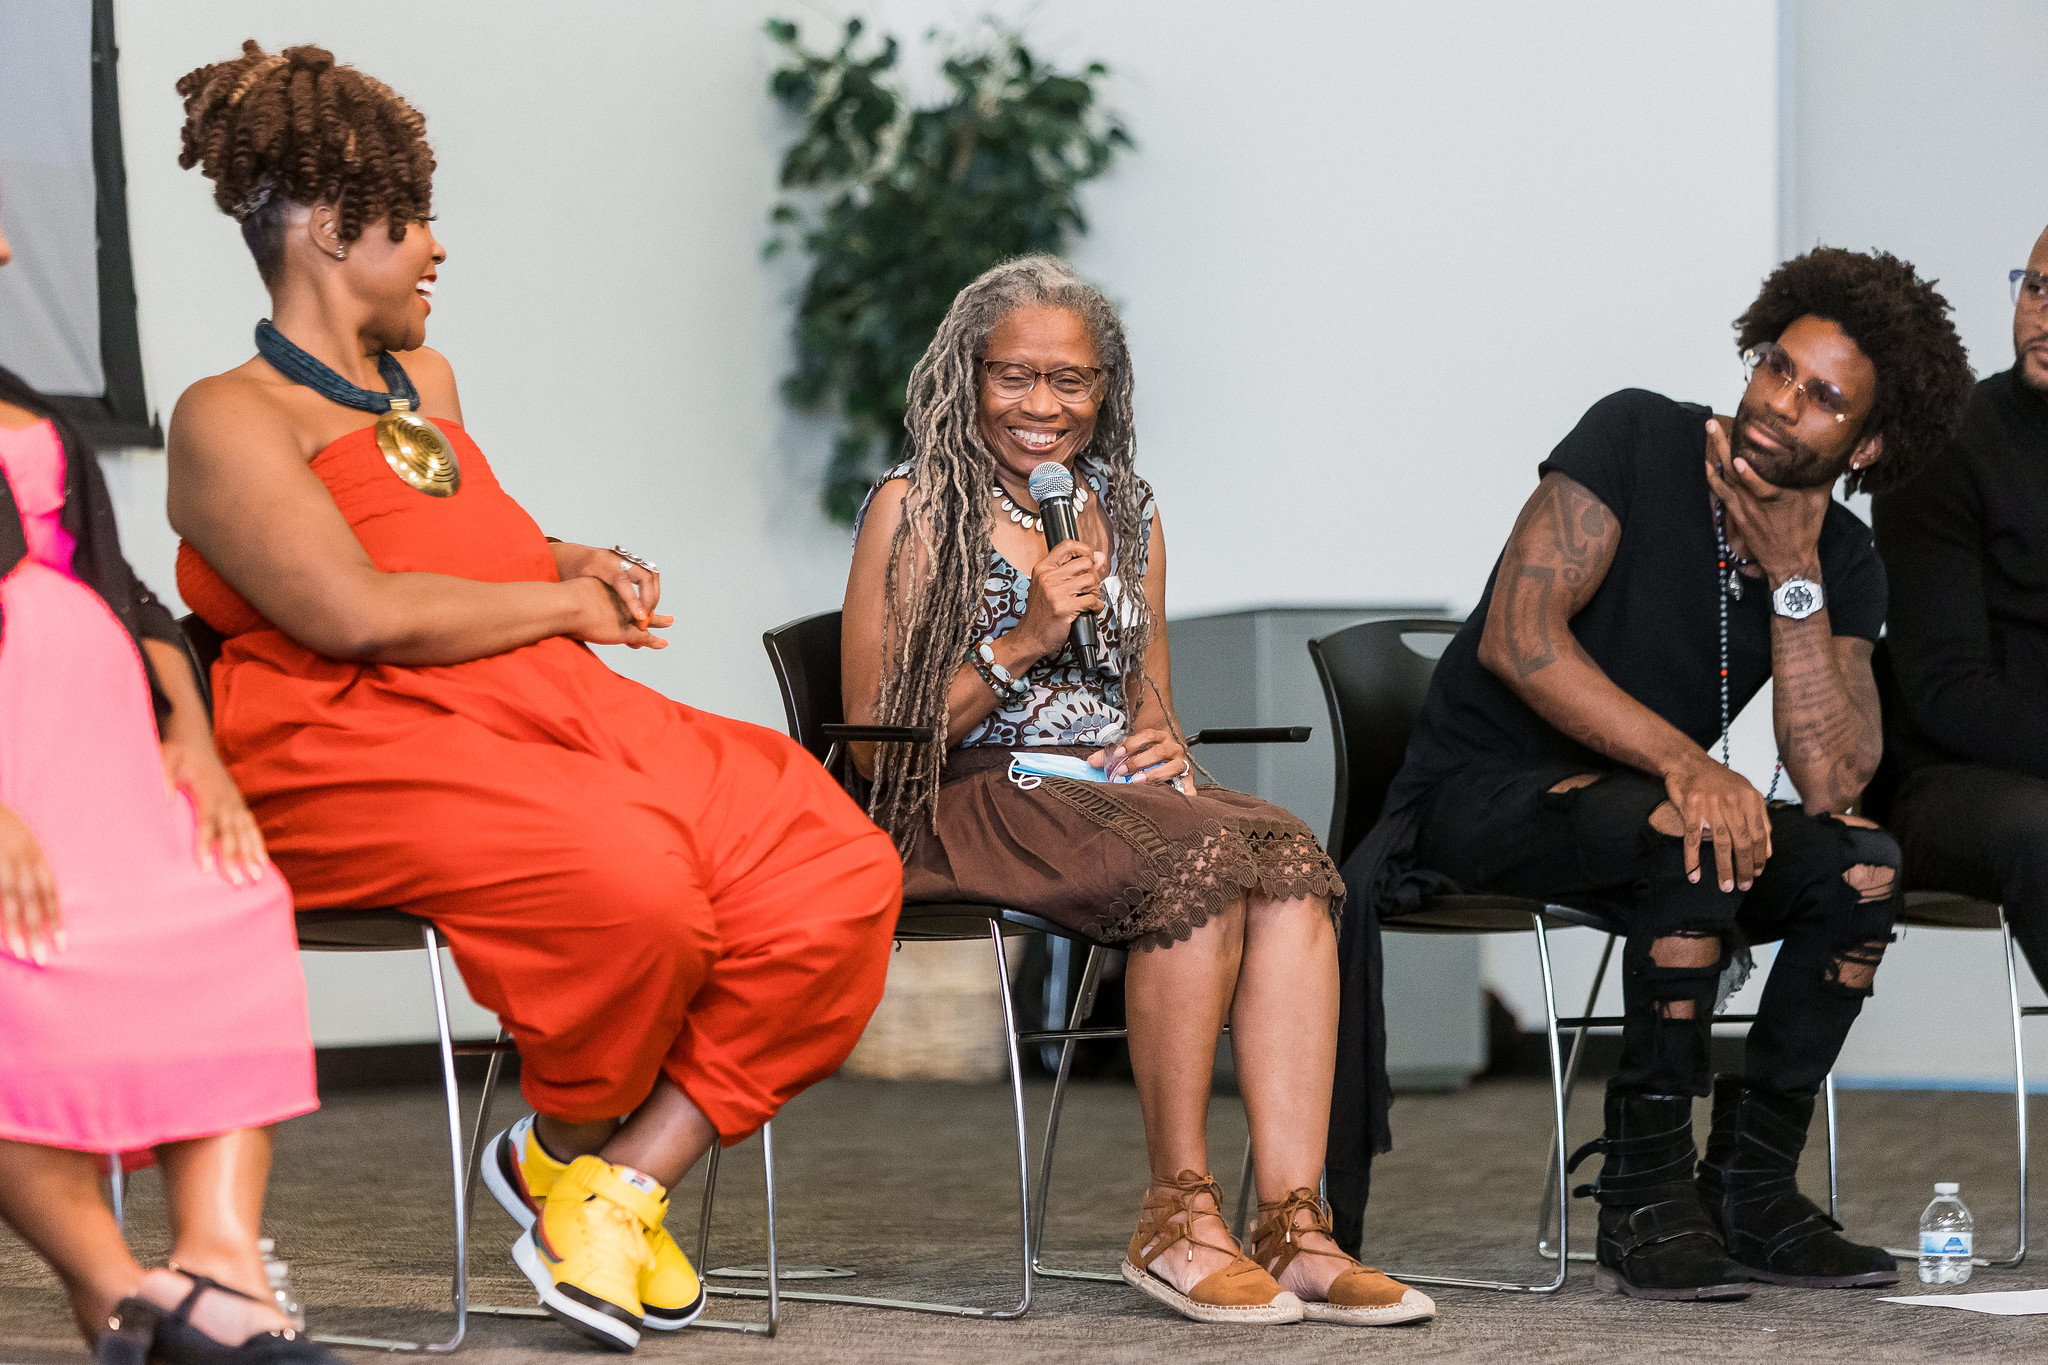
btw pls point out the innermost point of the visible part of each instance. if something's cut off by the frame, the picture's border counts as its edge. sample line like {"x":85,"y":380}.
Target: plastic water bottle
{"x":1947,"y":1234}
{"x":280,"y":1276}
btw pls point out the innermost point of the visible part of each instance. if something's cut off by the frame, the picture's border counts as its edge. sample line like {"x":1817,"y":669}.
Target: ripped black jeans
{"x":1829,"y":891}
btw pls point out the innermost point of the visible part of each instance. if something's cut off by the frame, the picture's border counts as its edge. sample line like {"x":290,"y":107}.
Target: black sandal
{"x":178,"y":1342}
{"x":130,"y":1332}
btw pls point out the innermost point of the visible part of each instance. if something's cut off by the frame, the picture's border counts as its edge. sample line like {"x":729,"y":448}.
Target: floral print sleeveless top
{"x":1067,"y":705}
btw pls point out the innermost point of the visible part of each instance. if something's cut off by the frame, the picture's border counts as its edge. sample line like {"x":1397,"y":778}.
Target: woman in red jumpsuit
{"x":680,"y":918}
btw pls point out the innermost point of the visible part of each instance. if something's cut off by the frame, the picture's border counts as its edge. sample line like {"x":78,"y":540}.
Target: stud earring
{"x":341,"y":253}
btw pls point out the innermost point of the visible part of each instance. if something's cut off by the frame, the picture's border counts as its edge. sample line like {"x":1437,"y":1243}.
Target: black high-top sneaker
{"x":1749,"y":1182}
{"x":1656,"y":1242}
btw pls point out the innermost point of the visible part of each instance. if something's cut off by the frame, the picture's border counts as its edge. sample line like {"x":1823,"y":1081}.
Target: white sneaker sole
{"x":1284,"y":1307}
{"x":509,"y":1199}
{"x":592,"y":1323}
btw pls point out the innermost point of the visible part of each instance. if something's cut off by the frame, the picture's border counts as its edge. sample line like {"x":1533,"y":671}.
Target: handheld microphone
{"x":1052,"y":488}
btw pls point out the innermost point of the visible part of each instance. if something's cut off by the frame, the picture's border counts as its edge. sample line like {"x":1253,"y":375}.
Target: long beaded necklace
{"x":1729,"y":582}
{"x":1030,"y":520}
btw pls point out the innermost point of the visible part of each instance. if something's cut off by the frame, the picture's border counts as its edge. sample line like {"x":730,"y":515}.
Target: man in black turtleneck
{"x":1966,"y":545}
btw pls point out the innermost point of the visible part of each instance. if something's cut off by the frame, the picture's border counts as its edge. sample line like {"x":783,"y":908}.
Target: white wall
{"x":1375,"y":259}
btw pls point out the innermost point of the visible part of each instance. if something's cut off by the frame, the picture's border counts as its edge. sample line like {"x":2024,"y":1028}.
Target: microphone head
{"x":1051,"y":480}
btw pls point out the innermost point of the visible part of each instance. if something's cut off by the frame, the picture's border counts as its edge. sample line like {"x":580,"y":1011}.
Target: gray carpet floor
{"x":913,"y":1185}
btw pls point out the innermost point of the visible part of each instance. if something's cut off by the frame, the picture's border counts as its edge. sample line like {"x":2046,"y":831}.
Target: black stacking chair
{"x":1375,"y":681}
{"x":383,"y":930}
{"x":805,"y":657}
{"x":1937,"y":909}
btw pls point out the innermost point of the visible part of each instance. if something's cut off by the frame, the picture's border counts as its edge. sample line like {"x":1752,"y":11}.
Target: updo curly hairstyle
{"x":1900,"y":322}
{"x":272,"y":132}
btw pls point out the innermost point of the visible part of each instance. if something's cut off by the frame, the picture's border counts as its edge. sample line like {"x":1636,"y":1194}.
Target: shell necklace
{"x":1030,"y":521}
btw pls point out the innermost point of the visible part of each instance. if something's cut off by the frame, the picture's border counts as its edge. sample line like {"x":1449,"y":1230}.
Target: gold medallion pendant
{"x":417,"y":451}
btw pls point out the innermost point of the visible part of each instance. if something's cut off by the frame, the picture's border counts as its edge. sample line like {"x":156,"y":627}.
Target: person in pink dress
{"x":150,"y":993}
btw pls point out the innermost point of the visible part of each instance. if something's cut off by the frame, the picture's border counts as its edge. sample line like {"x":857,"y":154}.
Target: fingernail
{"x":40,"y":953}
{"x":1692,"y":876}
{"x":1727,"y":886}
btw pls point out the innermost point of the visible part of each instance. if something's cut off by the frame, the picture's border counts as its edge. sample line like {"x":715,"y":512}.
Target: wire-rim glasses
{"x":1770,"y":363}
{"x":1069,"y":384}
{"x":2029,"y":286}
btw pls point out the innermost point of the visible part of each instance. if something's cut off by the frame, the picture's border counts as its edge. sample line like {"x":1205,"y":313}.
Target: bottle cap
{"x":1946,"y":1187}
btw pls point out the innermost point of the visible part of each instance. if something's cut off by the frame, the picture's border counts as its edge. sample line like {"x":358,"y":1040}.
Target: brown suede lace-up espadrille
{"x":1360,"y":1296}
{"x":1240,"y":1292}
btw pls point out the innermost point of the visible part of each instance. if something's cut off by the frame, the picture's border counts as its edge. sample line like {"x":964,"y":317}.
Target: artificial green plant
{"x":899,"y":206}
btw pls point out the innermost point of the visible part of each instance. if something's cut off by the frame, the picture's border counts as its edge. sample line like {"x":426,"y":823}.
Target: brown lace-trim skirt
{"x":1144,"y":866}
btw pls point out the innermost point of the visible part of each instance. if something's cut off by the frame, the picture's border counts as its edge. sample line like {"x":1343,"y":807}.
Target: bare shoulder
{"x":434,"y":377}
{"x":229,"y":409}
{"x":884,"y":510}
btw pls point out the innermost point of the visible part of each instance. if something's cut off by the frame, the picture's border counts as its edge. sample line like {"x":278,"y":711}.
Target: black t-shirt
{"x":1653,"y":625}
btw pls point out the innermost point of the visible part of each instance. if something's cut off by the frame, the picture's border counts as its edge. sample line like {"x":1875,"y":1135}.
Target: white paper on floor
{"x":2009,"y":1303}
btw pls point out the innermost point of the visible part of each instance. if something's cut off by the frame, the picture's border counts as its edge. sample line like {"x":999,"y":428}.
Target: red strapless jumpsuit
{"x":634,"y":886}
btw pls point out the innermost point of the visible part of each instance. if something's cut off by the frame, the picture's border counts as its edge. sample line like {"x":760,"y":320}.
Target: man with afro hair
{"x":1670,"y":563}
{"x":1966,"y":545}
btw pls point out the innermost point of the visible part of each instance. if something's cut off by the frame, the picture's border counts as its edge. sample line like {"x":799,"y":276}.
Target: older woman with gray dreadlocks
{"x":958,"y":617}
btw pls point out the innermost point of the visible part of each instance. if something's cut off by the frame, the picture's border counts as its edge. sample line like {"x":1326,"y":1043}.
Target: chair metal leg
{"x":117,"y":1190}
{"x":1060,"y":953}
{"x":710,"y":1198}
{"x":1084,"y":1005}
{"x":480,"y":1134}
{"x":2019,"y":1090}
{"x":773,"y":1291}
{"x":1546,"y":1206}
{"x":432,"y":942}
{"x":1557,"y":1125}
{"x":1014,"y":1050}
{"x":1834,"y":1145}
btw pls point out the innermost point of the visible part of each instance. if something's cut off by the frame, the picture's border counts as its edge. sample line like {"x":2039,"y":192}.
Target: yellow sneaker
{"x":519,"y":1173}
{"x":588,"y":1250}
{"x":671,"y":1295}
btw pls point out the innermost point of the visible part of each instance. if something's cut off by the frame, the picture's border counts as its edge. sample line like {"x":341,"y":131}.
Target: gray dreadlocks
{"x":938,"y":559}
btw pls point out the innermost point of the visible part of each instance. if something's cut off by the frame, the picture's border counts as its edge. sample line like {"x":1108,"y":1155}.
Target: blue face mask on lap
{"x":1027,"y":769}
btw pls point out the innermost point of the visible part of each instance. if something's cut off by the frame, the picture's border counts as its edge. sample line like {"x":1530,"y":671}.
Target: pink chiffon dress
{"x":177,"y":1009}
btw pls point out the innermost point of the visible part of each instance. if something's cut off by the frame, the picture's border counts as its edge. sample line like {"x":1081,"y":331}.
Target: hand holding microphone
{"x":1065,"y":587}
{"x":1052,"y":488}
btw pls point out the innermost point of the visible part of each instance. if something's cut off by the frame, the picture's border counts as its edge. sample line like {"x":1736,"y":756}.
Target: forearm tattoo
{"x":1825,"y":709}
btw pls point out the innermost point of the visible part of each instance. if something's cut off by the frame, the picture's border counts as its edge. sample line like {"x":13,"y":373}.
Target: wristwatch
{"x":1798,"y":598}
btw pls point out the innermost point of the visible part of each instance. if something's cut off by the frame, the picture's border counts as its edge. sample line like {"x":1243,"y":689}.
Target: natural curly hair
{"x":274,"y":131}
{"x":1900,"y":322}
{"x":938,"y":559}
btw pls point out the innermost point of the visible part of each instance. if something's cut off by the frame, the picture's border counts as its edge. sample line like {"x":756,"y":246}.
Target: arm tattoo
{"x":1528,"y":618}
{"x":1565,"y":536}
{"x":1556,"y":559}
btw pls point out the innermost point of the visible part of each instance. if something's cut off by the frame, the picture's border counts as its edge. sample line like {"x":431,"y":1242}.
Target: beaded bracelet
{"x":998,"y":678}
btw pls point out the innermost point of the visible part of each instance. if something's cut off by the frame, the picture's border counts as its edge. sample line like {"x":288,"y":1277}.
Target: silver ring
{"x":630,"y":558}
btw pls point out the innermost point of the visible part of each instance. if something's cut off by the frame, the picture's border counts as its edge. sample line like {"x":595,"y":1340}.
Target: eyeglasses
{"x":1773,"y":364}
{"x":1071,"y":384}
{"x":2029,"y":286}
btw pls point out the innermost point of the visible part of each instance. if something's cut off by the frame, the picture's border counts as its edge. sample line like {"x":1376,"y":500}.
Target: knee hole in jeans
{"x":1871,"y":881}
{"x":1572,"y":784}
{"x":1686,"y":965}
{"x":1664,"y":819}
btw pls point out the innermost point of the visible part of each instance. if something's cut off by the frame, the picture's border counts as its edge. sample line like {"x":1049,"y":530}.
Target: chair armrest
{"x":878,"y":734}
{"x":1253,"y":734}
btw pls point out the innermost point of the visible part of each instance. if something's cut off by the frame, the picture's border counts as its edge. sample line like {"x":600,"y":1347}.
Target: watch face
{"x":1797,"y":598}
